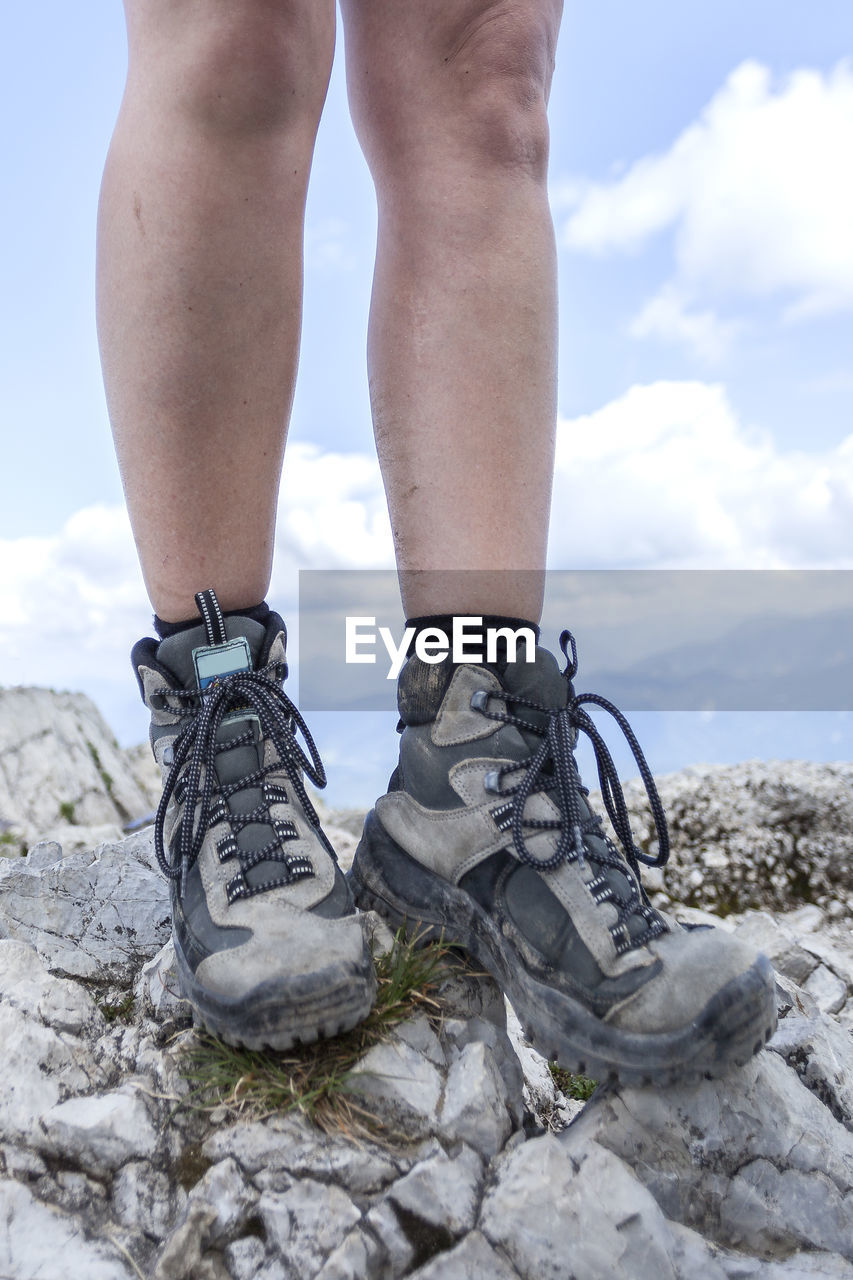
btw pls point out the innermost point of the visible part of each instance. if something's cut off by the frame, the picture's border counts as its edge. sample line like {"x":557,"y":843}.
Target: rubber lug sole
{"x":280,"y":1014}
{"x":732,"y":1027}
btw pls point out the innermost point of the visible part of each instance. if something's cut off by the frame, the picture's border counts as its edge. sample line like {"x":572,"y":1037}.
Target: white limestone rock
{"x":182,"y":1257}
{"x":399,"y":1085}
{"x":828,"y":991}
{"x":145,"y":1199}
{"x":215,"y":1211}
{"x":758,"y":835}
{"x":441,"y":1192}
{"x":762,"y":932}
{"x":44,"y":854}
{"x":460,"y":1032}
{"x":694,"y":1257}
{"x":475,"y":1103}
{"x":548,"y":1105}
{"x":418,"y":1033}
{"x":821,"y":1053}
{"x":61,"y":766}
{"x":359,"y":1256}
{"x":158,"y":989}
{"x":41,"y":1067}
{"x":754,"y":1161}
{"x":244,"y":1258}
{"x":556,"y":1211}
{"x":39,"y":1243}
{"x":472,"y":1259}
{"x":289,"y":1145}
{"x":306,"y":1223}
{"x":397,"y":1249}
{"x":97,"y":915}
{"x":798,"y":1266}
{"x":27,"y":985}
{"x":101,"y":1132}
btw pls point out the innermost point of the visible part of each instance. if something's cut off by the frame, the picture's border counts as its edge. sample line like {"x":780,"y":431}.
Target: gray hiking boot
{"x":486,"y":836}
{"x":270,"y":950}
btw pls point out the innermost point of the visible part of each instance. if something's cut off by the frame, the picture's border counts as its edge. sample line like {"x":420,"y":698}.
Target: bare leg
{"x":449,"y":101}
{"x":200,"y":280}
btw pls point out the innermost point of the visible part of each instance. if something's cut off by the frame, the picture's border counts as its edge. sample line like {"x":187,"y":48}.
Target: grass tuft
{"x":313,"y":1079}
{"x":580,"y":1088}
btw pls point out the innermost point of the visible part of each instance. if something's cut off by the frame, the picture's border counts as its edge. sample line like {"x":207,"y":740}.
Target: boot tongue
{"x":540,"y":681}
{"x":176,"y":653}
{"x":195,"y":663}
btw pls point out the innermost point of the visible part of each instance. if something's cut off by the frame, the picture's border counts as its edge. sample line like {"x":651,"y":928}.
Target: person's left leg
{"x":449,"y":102}
{"x":485,"y":835}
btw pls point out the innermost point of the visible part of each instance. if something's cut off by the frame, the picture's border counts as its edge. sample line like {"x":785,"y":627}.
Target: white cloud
{"x":667,"y":477}
{"x":332,"y":512}
{"x":73,"y":602}
{"x":664,"y":476}
{"x":667,"y":316}
{"x":758,"y":192}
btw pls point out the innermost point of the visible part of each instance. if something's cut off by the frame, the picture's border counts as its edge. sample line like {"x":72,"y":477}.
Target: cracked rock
{"x":359,"y":1257}
{"x":693,"y":1147}
{"x":399,"y":1085}
{"x":442,"y":1192}
{"x":157,"y":988}
{"x":828,"y":991}
{"x":101,"y":1132}
{"x":38,"y":1241}
{"x":94,"y":915}
{"x":306,"y":1223}
{"x":760,"y":931}
{"x":41,"y":1068}
{"x":146,"y":1199}
{"x":475,"y":1104}
{"x":472,"y":1259}
{"x":26,"y":984}
{"x":292,"y":1145}
{"x":557,"y":1210}
{"x":821,"y":1053}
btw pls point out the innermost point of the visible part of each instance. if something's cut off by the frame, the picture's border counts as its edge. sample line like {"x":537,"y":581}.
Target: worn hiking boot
{"x":486,"y":836}
{"x":270,"y":950}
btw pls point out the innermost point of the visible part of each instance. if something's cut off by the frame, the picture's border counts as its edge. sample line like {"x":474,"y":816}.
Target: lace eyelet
{"x":479,"y":699}
{"x":492,"y":782}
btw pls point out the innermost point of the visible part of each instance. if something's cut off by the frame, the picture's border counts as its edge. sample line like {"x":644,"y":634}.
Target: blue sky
{"x":703,"y":200}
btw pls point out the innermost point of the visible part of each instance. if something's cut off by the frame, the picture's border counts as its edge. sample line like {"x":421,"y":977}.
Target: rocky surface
{"x":63,"y":776}
{"x":762,"y":835}
{"x":485,"y":1170}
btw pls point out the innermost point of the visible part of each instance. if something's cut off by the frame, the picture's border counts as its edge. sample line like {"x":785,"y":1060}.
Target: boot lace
{"x":552,"y":768}
{"x":192,"y":780}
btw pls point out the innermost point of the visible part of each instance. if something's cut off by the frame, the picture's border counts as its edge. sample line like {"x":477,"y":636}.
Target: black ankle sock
{"x":258,"y":613}
{"x":423,"y":685}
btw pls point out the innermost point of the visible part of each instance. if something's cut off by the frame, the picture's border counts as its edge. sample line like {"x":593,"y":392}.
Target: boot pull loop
{"x":571,"y":668}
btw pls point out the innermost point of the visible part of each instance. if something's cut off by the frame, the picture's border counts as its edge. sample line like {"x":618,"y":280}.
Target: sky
{"x":703,"y":202}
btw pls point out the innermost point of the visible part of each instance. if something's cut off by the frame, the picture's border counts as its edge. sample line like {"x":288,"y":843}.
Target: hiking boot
{"x":270,"y":950}
{"x":486,"y":837}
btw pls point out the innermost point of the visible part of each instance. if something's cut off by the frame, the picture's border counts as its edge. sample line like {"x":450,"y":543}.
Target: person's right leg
{"x":200,"y":276}
{"x":200,"y":280}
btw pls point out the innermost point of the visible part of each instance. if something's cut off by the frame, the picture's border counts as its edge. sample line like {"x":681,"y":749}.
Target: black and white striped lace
{"x":552,"y":769}
{"x":193,"y":782}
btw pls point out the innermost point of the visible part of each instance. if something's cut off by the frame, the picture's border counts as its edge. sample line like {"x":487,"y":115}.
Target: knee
{"x":238,"y":67}
{"x":480,"y":90}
